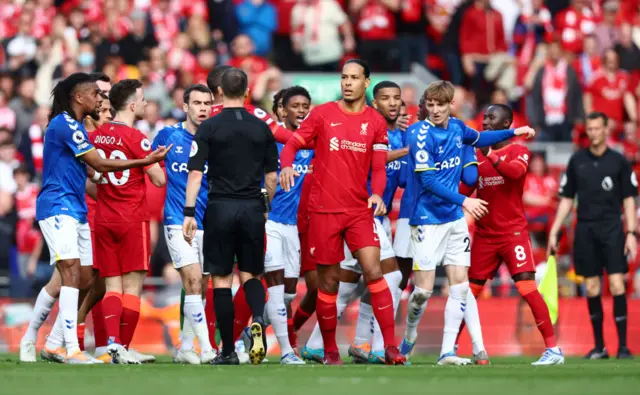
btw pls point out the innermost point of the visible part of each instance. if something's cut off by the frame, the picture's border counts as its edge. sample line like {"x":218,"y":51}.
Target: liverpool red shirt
{"x":504,"y":195}
{"x":344,"y":145}
{"x":121,"y":195}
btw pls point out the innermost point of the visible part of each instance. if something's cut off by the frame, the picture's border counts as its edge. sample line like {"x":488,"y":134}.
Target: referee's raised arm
{"x":236,"y":151}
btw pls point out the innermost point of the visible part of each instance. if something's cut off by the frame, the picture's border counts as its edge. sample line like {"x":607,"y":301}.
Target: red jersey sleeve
{"x":304,"y":136}
{"x":140,"y":146}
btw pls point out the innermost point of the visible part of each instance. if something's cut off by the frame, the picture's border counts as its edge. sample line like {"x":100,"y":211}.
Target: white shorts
{"x":386,"y":250}
{"x":445,"y":244}
{"x":67,"y":239}
{"x":386,"y":226}
{"x":402,"y":244}
{"x":183,"y":254}
{"x":283,"y":249}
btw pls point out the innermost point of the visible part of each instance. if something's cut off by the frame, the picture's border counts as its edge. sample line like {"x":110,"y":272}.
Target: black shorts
{"x":598,"y":246}
{"x":234,"y":228}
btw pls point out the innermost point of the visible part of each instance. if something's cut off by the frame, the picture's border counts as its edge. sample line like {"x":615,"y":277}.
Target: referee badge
{"x":607,"y":183}
{"x":194,"y":149}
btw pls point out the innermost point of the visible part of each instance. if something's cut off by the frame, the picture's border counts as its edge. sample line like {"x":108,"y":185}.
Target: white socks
{"x":69,"y":314}
{"x":345,"y":291}
{"x":41,"y":310}
{"x":56,"y":337}
{"x":364,"y":326}
{"x":277,"y":313}
{"x":454,"y":312}
{"x":195,"y":317}
{"x":472,"y":319}
{"x":417,"y":305}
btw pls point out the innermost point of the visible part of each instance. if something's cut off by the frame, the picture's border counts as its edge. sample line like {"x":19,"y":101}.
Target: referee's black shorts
{"x":599,"y":246}
{"x":234,"y":228}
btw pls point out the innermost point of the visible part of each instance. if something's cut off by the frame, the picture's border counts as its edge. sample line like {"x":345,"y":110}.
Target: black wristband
{"x":189,"y":211}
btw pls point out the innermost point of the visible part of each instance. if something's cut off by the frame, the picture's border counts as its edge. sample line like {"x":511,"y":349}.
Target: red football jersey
{"x":506,"y":210}
{"x":608,"y":93}
{"x":344,"y":144}
{"x":121,"y":195}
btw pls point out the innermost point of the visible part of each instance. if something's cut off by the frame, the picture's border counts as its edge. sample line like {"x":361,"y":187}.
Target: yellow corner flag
{"x":549,"y":288}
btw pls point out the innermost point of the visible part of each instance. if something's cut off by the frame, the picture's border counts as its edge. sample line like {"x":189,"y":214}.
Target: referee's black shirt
{"x":239,"y":149}
{"x":601,"y":184}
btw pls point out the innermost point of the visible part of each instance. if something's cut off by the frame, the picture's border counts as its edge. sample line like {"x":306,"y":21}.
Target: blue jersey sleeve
{"x":159,"y":139}
{"x":74,"y":136}
{"x":470,"y":167}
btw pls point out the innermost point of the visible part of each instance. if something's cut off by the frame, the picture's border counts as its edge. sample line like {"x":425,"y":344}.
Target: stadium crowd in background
{"x":552,"y":61}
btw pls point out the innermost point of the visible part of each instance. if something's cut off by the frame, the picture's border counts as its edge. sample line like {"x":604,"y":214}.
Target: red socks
{"x":99,"y":331}
{"x":382,"y":303}
{"x":529,"y":292}
{"x":300,"y":317}
{"x":130,"y":316}
{"x":81,"y":328}
{"x":327,"y":313}
{"x":112,"y":310}
{"x":242,"y":313}
{"x":210,"y":314}
{"x":293,"y":336}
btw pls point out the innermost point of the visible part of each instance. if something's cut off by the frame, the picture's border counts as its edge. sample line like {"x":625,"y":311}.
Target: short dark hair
{"x":365,"y":66}
{"x":295,"y":91}
{"x":383,"y":85}
{"x":215,"y":76}
{"x":508,"y":111}
{"x":99,"y":76}
{"x":121,"y":93}
{"x":194,"y":88}
{"x":598,"y":115}
{"x":234,"y":83}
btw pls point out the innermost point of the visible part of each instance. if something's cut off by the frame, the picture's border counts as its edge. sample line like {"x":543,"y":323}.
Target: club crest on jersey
{"x":194,"y":149}
{"x":145,"y":144}
{"x":179,"y":149}
{"x":78,"y":137}
{"x":304,"y":153}
{"x":458,"y":141}
{"x":363,"y":128}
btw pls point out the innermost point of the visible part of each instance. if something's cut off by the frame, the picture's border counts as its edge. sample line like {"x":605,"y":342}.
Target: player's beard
{"x":95,"y":115}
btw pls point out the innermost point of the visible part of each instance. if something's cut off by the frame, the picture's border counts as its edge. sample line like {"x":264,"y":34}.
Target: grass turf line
{"x":504,"y":376}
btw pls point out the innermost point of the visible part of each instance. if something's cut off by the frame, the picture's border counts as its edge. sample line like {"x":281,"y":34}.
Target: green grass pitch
{"x":507,"y":376}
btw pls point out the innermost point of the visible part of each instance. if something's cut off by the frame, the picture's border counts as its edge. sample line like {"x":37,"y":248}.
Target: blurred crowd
{"x":553,"y":61}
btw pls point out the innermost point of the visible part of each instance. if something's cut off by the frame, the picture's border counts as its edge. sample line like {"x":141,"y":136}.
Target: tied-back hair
{"x":63,"y":91}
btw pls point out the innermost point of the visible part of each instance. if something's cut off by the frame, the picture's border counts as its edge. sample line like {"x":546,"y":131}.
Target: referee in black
{"x":240,"y":151}
{"x":603,"y":182}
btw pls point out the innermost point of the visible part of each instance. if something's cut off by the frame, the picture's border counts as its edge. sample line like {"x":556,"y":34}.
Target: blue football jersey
{"x":440,"y":151}
{"x":393,"y":168}
{"x":64,"y":175}
{"x":406,"y":176}
{"x":176,"y":166}
{"x":284,"y":207}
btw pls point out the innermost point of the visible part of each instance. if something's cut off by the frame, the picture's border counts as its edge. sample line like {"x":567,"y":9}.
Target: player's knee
{"x":53,"y":289}
{"x":592,"y":286}
{"x":616,"y":284}
{"x":193,"y":285}
{"x":420,"y":296}
{"x":527,"y":276}
{"x":459,"y":291}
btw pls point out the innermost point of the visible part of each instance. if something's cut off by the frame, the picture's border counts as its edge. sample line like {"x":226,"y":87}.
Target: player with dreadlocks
{"x":61,"y":209}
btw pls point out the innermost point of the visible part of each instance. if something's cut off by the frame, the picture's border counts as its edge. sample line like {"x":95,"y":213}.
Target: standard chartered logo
{"x":334,"y":144}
